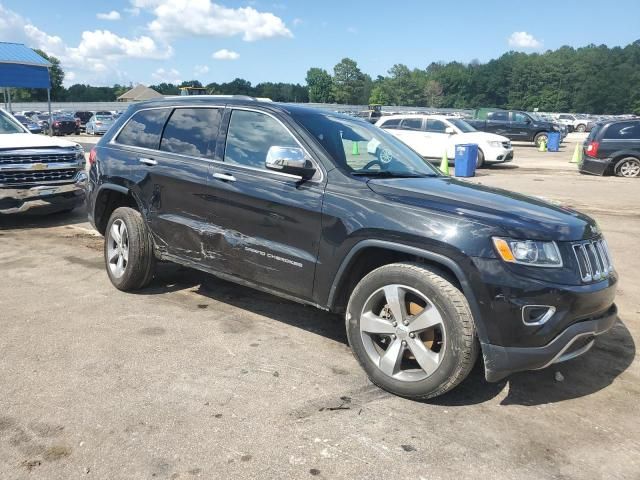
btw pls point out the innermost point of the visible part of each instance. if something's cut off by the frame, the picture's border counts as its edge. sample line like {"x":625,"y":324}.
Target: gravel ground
{"x":199,"y":378}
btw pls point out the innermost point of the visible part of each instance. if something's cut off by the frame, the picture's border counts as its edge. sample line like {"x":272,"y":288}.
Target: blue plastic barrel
{"x":554,"y":142}
{"x":466,"y":159}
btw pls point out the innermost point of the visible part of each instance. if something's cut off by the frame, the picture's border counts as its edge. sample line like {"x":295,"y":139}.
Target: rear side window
{"x":623,"y":131}
{"x":500,"y":116}
{"x":436,"y":126}
{"x":144,"y":129}
{"x":391,"y":123}
{"x":250,"y":136}
{"x":412,"y":124}
{"x":192,"y":131}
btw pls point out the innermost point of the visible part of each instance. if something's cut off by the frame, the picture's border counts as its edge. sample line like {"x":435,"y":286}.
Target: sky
{"x":153,"y":41}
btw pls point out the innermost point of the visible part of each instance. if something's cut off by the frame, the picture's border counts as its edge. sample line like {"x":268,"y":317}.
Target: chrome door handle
{"x":148,"y":161}
{"x":227,"y":177}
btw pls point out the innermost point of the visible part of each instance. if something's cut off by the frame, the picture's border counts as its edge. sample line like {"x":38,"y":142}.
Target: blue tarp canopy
{"x":21,"y":67}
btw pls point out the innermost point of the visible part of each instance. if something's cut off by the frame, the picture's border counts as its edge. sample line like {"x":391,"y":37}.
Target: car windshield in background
{"x":461,"y":125}
{"x":9,"y":125}
{"x":362,"y":148}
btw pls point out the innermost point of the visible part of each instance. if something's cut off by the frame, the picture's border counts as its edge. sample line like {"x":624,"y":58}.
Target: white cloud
{"x":524,"y":40}
{"x":174,"y":18}
{"x":200,"y":70}
{"x":225,"y":54}
{"x":134,"y":11}
{"x":95,"y":59}
{"x":169,"y":76}
{"x":112,"y":15}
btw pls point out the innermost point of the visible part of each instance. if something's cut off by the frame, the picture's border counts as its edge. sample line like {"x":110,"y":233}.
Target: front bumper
{"x":59,"y":197}
{"x":493,"y":155}
{"x":570,"y":343}
{"x":594,"y":166}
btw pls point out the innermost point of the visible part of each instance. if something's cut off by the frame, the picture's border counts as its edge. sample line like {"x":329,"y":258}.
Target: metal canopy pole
{"x":49,"y":104}
{"x":9,"y":97}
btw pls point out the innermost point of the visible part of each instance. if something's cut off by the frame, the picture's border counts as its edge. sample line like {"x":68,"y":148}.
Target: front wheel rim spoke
{"x":372,"y":323}
{"x":115,"y":233}
{"x":113,"y":255}
{"x":392,"y":357}
{"x":428,"y":318}
{"x":426,"y":358}
{"x":394,"y":296}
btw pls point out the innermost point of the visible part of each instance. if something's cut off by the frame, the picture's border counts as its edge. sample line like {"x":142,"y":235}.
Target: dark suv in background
{"x":331,"y":211}
{"x":613,"y":148}
{"x":517,"y":126}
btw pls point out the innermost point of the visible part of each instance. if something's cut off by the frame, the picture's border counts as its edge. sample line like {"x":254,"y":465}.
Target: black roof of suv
{"x":331,"y":211}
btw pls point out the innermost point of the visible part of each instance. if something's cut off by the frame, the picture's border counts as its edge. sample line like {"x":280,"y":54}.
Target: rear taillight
{"x":592,"y":149}
{"x":56,"y":124}
{"x":92,"y":156}
{"x":98,"y":123}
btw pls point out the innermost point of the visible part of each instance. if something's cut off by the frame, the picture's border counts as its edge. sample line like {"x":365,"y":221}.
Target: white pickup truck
{"x":575,"y":124}
{"x":432,"y":135}
{"x":38,"y":172}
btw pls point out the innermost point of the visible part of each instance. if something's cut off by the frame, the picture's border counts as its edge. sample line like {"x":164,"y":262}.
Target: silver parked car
{"x":99,"y":124}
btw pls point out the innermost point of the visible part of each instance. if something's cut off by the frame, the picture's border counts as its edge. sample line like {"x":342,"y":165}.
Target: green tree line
{"x":591,"y":79}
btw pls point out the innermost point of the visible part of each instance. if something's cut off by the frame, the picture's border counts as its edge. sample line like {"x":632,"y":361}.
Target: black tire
{"x":581,"y":128}
{"x":480,"y":160}
{"x":628,"y":167}
{"x":461,"y":347}
{"x":140,"y":266}
{"x":538,"y":138}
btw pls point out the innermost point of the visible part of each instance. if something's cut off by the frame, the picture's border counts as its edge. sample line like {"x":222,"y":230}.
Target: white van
{"x":432,"y":135}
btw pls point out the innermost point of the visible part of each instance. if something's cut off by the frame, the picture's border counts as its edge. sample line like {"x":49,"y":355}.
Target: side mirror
{"x":449,"y":130}
{"x":291,"y":160}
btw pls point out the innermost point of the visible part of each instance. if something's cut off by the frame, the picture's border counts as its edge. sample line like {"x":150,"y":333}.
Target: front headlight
{"x":495,"y":144}
{"x":528,"y":252}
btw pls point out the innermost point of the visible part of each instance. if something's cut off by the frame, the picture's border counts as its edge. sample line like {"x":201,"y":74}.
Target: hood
{"x":29,"y":140}
{"x":518,"y":215}
{"x":477,"y":137}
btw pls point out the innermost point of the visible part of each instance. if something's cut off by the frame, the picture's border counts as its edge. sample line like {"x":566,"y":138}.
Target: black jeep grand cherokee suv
{"x":331,"y":211}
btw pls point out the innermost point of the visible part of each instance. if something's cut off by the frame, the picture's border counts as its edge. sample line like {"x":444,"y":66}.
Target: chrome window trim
{"x":112,"y":142}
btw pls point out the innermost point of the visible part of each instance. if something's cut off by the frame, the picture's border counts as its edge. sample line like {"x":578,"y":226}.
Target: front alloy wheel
{"x":118,"y":248}
{"x":411,"y":330}
{"x":403,"y":333}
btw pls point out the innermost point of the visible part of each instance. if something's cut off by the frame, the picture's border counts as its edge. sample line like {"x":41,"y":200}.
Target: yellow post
{"x":577,"y":154}
{"x":543,"y":145}
{"x":355,"y":150}
{"x":444,"y":164}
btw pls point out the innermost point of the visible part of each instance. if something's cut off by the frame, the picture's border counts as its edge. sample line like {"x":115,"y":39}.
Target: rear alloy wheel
{"x":581,"y":128}
{"x":128,"y":250}
{"x":628,"y":167}
{"x":411,"y":330}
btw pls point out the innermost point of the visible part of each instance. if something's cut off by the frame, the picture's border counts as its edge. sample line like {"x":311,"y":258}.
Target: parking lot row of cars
{"x":66,"y":122}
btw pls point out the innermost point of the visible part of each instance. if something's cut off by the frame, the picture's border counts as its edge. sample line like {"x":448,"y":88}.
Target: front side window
{"x":520,"y":117}
{"x":192,"y":131}
{"x":250,"y":136}
{"x":144,"y":128}
{"x":412,"y":124}
{"x":360,"y":148}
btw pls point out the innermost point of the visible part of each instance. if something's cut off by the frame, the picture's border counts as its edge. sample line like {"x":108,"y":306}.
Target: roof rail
{"x":238,"y":97}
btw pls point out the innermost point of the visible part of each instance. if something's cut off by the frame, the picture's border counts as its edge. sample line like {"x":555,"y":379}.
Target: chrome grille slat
{"x":594,"y":260}
{"x":25,"y":177}
{"x":45,"y":158}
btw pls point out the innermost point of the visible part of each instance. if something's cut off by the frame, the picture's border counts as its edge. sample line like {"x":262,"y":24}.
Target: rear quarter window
{"x":623,"y":131}
{"x":144,"y":129}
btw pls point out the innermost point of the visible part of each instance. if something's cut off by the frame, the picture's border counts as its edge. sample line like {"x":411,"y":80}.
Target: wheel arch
{"x":109,"y":197}
{"x":357,"y":264}
{"x":618,"y":156}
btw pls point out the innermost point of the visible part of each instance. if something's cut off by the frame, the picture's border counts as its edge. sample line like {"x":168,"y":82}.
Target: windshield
{"x":361,"y":148}
{"x":9,"y":125}
{"x":461,"y":125}
{"x":537,"y":117}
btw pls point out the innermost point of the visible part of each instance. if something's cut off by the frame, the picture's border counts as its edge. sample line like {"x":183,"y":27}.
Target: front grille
{"x":37,"y":158}
{"x":594,"y":260}
{"x":18,"y":178}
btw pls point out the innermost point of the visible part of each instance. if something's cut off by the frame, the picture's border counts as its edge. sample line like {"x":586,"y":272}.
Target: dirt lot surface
{"x":198,"y":378}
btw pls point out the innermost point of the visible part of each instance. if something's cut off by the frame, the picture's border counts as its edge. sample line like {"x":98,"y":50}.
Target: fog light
{"x":533,"y":315}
